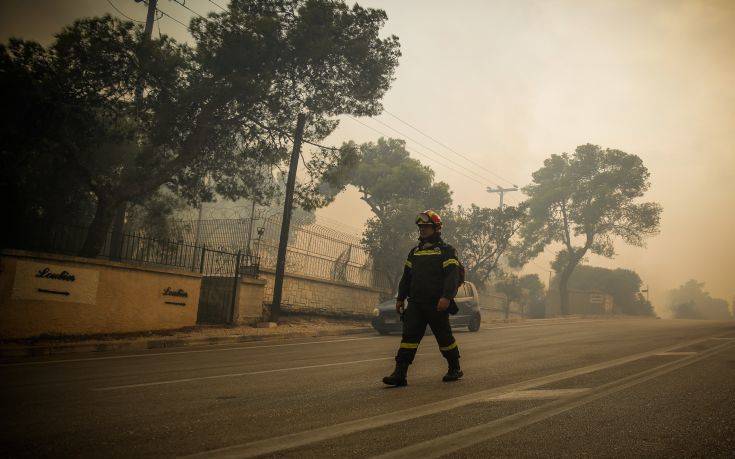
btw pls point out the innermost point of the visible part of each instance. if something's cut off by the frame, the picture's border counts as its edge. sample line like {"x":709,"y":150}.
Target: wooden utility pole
{"x":501,"y":191}
{"x":286,"y":221}
{"x":646,"y":292}
{"x":118,"y":222}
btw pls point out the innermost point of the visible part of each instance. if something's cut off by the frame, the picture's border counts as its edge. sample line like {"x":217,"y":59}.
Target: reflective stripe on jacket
{"x":431,"y":271}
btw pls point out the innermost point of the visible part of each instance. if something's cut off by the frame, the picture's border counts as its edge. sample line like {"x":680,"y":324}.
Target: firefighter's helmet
{"x":429,"y":217}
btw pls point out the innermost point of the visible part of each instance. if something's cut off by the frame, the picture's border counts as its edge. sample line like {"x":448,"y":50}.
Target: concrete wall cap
{"x":97,"y":261}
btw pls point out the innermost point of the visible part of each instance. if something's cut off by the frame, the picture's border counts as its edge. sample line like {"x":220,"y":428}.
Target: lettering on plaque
{"x":179,"y":293}
{"x":50,"y":282}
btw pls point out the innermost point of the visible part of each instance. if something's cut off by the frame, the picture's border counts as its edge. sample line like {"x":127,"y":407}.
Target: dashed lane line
{"x":298,"y":439}
{"x":466,"y":438}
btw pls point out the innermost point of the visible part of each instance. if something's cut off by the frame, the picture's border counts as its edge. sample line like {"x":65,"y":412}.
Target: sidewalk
{"x":289,"y":327}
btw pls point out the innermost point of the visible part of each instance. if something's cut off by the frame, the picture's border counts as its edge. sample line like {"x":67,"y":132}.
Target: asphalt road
{"x":609,"y":388}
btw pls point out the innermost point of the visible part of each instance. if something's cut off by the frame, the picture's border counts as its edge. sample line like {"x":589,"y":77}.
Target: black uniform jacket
{"x":431,"y":272}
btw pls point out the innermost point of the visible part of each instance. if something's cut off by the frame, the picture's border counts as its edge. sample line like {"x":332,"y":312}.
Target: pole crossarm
{"x":501,"y":191}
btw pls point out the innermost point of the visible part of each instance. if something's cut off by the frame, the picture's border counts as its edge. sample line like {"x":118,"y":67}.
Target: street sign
{"x":596,"y":298}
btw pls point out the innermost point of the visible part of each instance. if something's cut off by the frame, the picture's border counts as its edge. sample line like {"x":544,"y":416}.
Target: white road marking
{"x":539,"y":325}
{"x":297,"y":439}
{"x":678,"y":353}
{"x":236,"y":375}
{"x":448,"y":444}
{"x":248,"y":348}
{"x":537,"y":394}
{"x":198,"y":351}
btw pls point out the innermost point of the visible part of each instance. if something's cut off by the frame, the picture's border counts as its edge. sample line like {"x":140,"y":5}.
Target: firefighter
{"x":431,"y":277}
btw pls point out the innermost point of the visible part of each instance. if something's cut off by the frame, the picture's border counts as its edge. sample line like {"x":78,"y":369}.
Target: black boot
{"x":398,"y":377}
{"x":454,"y":372}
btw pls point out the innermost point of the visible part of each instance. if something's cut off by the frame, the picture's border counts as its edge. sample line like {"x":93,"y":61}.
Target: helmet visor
{"x":423,"y":219}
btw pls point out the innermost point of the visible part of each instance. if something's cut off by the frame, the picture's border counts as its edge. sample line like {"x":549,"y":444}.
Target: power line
{"x":123,"y":14}
{"x":424,"y":146}
{"x":183,"y":3}
{"x":218,"y":5}
{"x":449,"y":148}
{"x":485,"y":184}
{"x":168,"y":16}
{"x":419,"y":153}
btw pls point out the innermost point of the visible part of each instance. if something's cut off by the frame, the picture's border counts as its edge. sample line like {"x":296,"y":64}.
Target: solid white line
{"x":537,"y":394}
{"x":297,"y":439}
{"x":678,"y":353}
{"x":539,"y":325}
{"x":247,"y":348}
{"x":154,"y":354}
{"x":235,"y":375}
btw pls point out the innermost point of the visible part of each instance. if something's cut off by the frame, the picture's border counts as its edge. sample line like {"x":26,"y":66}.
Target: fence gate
{"x":217,"y":299}
{"x":220,"y":281}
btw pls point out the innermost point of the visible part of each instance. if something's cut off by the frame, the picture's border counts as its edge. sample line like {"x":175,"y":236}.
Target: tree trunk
{"x":563,"y":290}
{"x":98,"y":229}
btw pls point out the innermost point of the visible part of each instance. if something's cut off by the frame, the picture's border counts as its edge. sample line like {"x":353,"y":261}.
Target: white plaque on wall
{"x":51,"y":282}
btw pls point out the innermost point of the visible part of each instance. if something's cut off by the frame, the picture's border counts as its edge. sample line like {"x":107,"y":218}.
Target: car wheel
{"x":474,"y":324}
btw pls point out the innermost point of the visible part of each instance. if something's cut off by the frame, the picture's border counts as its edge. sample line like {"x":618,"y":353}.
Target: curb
{"x":166,"y":343}
{"x":141,"y":345}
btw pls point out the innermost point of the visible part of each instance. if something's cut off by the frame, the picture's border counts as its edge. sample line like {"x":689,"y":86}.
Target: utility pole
{"x":286,"y":221}
{"x":501,"y":191}
{"x":118,"y":222}
{"x":250,"y":229}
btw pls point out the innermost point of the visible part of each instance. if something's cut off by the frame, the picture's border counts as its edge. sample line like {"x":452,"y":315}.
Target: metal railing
{"x":139,"y":248}
{"x":212,"y":247}
{"x":313,"y":250}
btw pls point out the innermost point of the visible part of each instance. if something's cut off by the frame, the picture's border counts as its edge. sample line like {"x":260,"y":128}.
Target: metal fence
{"x":213,"y":248}
{"x":139,"y":248}
{"x":313,"y":250}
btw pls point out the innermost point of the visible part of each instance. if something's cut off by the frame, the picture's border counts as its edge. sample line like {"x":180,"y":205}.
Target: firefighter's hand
{"x":443,"y":304}
{"x":399,"y":306}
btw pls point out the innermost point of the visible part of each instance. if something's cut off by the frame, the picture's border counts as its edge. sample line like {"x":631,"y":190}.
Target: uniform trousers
{"x":417,"y":315}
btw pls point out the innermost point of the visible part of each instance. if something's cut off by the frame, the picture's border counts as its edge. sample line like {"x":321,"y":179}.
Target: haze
{"x":509,"y":83}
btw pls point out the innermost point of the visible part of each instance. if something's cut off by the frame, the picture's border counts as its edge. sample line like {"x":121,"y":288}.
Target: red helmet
{"x":429,"y":217}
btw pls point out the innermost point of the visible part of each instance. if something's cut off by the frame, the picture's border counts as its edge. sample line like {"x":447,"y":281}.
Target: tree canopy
{"x":623,"y":284}
{"x":396,"y":187}
{"x":482,"y":236}
{"x":217,"y":109}
{"x":691,"y":301}
{"x":586,"y":201}
{"x":534,"y":295}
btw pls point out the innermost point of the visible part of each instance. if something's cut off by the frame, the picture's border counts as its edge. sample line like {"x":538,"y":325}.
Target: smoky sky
{"x":507,"y":83}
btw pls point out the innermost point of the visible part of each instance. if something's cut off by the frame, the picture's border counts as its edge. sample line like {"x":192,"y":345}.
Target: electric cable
{"x":123,"y":14}
{"x":218,"y":5}
{"x":183,"y":4}
{"x":449,"y":148}
{"x":419,"y":153}
{"x":424,"y":146}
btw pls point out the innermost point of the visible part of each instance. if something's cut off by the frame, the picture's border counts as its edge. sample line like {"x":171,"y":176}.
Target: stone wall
{"x":62,"y":295}
{"x":309,"y":294}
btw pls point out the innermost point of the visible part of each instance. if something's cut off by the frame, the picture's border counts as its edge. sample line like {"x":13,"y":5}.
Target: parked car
{"x":387,"y":320}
